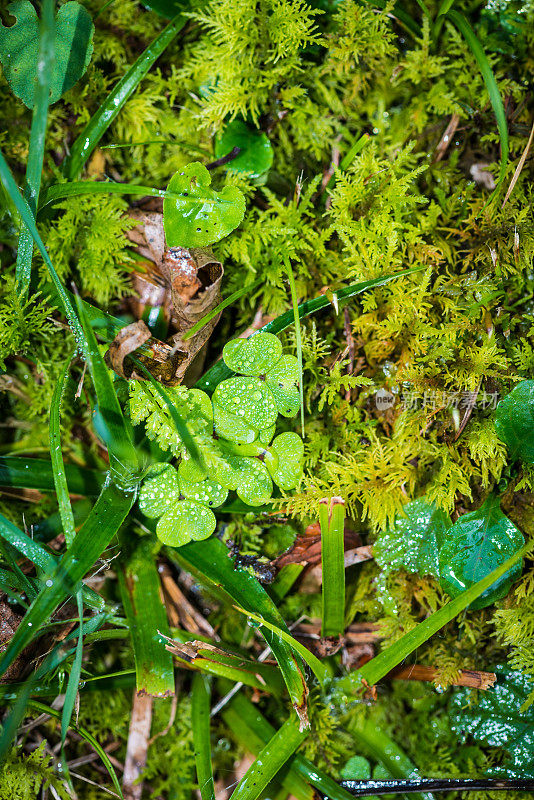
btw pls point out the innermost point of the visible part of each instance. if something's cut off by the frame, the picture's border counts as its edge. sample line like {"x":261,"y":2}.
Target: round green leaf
{"x":159,"y":491}
{"x":514,"y":421}
{"x":357,"y":768}
{"x":265,"y":436}
{"x":255,"y":486}
{"x":230,"y":426}
{"x":254,"y":356}
{"x":189,"y":471}
{"x":194,"y":215}
{"x":248,"y":398}
{"x":207,"y":492}
{"x":186,"y":520}
{"x":283,"y":381}
{"x":289,"y":449}
{"x":256,"y":156}
{"x":19,"y":49}
{"x":477,"y":544}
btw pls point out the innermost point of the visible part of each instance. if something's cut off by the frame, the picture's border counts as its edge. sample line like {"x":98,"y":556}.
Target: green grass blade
{"x":219,"y":371}
{"x":89,"y":738}
{"x":491,"y":85}
{"x":34,"y":167}
{"x":26,"y":546}
{"x":102,"y":119}
{"x":116,"y":434}
{"x":384,"y":662}
{"x":56,"y":458}
{"x":37,"y":473}
{"x":27,"y":218}
{"x":209,"y":562}
{"x":94,"y":536}
{"x":270,"y":760}
{"x":217,"y":310}
{"x":332,"y":519}
{"x":140,"y":592}
{"x":319,"y":670}
{"x":62,"y":191}
{"x":298,"y":336}
{"x":200,"y":717}
{"x":74,"y":677}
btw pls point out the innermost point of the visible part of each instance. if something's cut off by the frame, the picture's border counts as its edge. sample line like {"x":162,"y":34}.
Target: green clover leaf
{"x":254,"y":356}
{"x":283,"y":381}
{"x":289,"y":449}
{"x":248,"y":398}
{"x":256,"y":156}
{"x":19,"y":49}
{"x":194,"y":215}
{"x":160,"y":490}
{"x":184,"y":521}
{"x":230,"y":426}
{"x":207,"y":492}
{"x":255,"y":485}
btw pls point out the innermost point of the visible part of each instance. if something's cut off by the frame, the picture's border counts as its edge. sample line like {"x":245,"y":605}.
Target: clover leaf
{"x":282,"y":380}
{"x":194,"y":214}
{"x":159,"y":491}
{"x":207,"y":492}
{"x":231,"y":426}
{"x":186,"y":520}
{"x":256,"y":156}
{"x":19,"y":49}
{"x":254,"y":356}
{"x":248,"y":398}
{"x":289,"y":449}
{"x":476,"y":544}
{"x":255,"y":485}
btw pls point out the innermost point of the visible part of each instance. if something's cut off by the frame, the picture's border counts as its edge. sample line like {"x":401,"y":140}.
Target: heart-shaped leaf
{"x":184,"y":521}
{"x":231,"y":427}
{"x":289,"y":448}
{"x":207,"y":492}
{"x":498,"y":719}
{"x":19,"y":49}
{"x":195,"y":215}
{"x":477,"y":544}
{"x":256,"y":156}
{"x":255,"y":486}
{"x":266,"y":434}
{"x":514,"y":421}
{"x":254,"y":356}
{"x":283,"y":381}
{"x":414,"y":540}
{"x":248,"y":398}
{"x":159,"y":491}
{"x":189,"y":471}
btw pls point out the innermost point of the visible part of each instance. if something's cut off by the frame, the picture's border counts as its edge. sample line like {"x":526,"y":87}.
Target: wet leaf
{"x":159,"y":491}
{"x":289,"y":448}
{"x":357,"y":768}
{"x":413,"y":542}
{"x":477,"y":544}
{"x":185,"y":521}
{"x":256,"y":156}
{"x":207,"y":492}
{"x":19,"y":47}
{"x":196,"y":215}
{"x":253,"y":356}
{"x":514,"y":421}
{"x":165,"y":8}
{"x":248,"y":398}
{"x":500,"y":720}
{"x":254,"y":482}
{"x":232,"y":427}
{"x":283,"y":381}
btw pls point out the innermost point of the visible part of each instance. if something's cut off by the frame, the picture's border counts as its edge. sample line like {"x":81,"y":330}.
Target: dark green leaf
{"x":514,"y":421}
{"x":200,"y":718}
{"x":500,"y":719}
{"x":477,"y":544}
{"x":332,"y":519}
{"x":74,"y":677}
{"x":256,"y":153}
{"x":56,"y":457}
{"x":19,"y":49}
{"x":165,"y":8}
{"x":414,"y":540}
{"x":196,"y":215}
{"x":146,"y":615}
{"x":36,"y":473}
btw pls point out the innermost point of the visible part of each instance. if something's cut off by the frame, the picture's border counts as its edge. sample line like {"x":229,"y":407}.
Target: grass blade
{"x":208,"y":560}
{"x":298,"y":335}
{"x":332,"y":519}
{"x":26,"y":546}
{"x":116,"y":434}
{"x":37,"y":473}
{"x":270,"y":760}
{"x":94,"y":536}
{"x":378,"y":667}
{"x":102,"y":119}
{"x":140,"y":591}
{"x":217,"y":310}
{"x":56,"y":458}
{"x":200,"y":714}
{"x":491,"y":85}
{"x":219,"y":371}
{"x":61,"y":191}
{"x":74,"y":677}
{"x":34,"y":167}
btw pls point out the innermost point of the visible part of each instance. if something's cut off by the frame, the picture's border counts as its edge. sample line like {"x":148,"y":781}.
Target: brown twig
{"x":446,"y":138}
{"x":220,"y":162}
{"x":137,"y":747}
{"x":180,"y":611}
{"x":474,"y":679}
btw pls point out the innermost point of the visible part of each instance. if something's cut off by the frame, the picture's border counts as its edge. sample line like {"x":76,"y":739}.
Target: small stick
{"x":137,"y":747}
{"x":467,"y":677}
{"x":225,"y":159}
